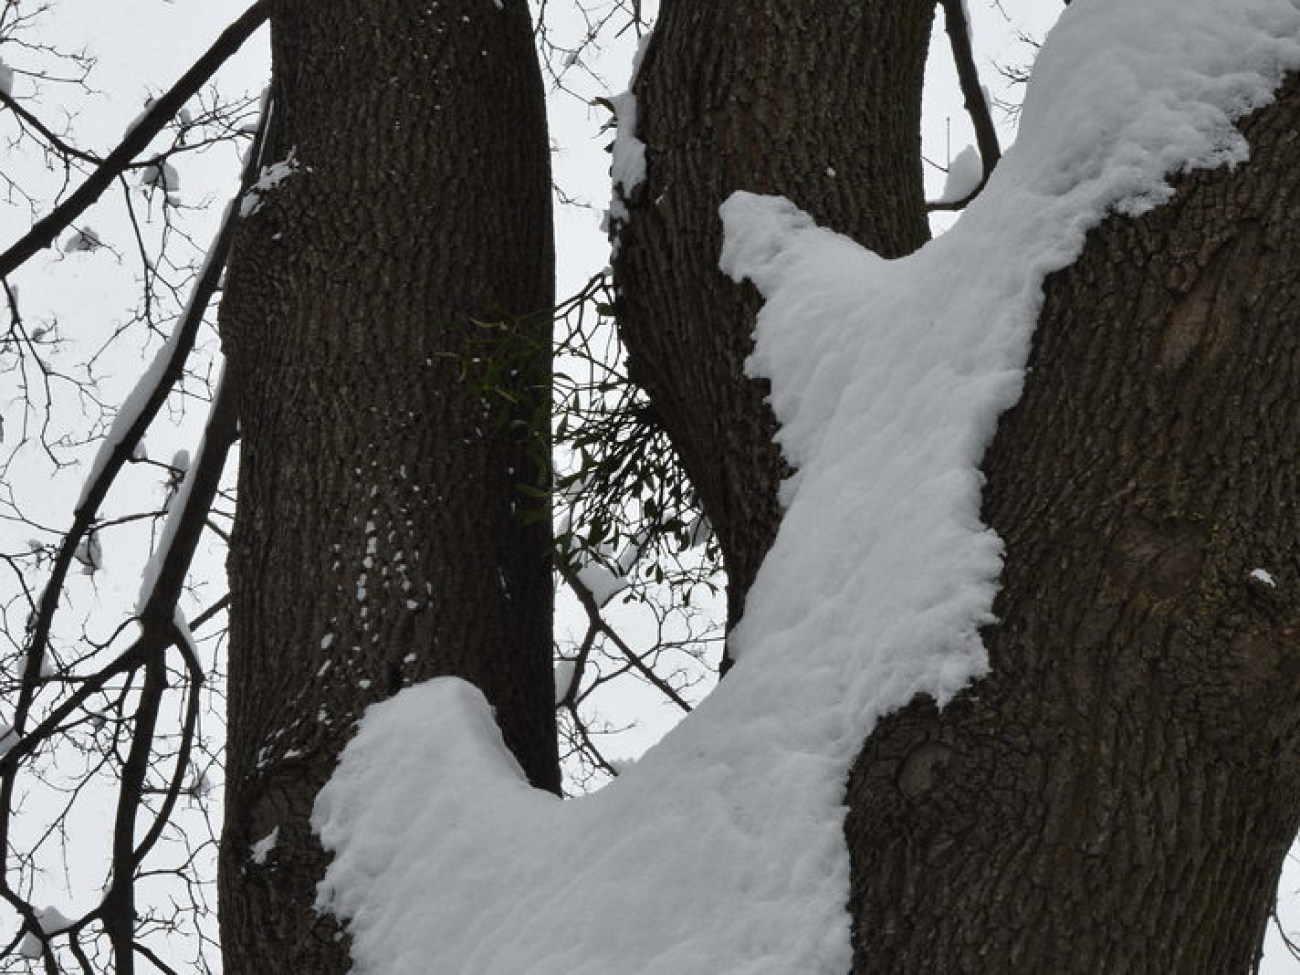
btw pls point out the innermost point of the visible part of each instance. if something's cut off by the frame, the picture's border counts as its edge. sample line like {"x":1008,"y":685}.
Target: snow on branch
{"x":129,"y":426}
{"x":961,"y":191}
{"x":163,"y":576}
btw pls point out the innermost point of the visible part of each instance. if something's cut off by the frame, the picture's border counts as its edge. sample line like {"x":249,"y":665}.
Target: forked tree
{"x":1116,"y":793}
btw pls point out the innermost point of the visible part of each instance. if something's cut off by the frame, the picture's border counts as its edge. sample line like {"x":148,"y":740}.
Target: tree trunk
{"x":1118,"y":794}
{"x":382,"y":536}
{"x":817,"y":101}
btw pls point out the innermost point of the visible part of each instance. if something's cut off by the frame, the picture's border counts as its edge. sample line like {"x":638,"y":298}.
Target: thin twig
{"x":47,"y":229}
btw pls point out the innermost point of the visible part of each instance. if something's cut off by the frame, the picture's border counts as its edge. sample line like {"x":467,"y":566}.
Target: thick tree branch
{"x":157,"y":605}
{"x":215,"y":609}
{"x":118,"y":908}
{"x":977,"y":105}
{"x":189,"y":727}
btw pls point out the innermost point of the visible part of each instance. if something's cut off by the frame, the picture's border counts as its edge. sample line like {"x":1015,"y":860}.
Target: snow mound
{"x":721,"y":851}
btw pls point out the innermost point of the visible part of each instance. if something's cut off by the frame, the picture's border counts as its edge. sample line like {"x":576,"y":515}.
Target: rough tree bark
{"x":382,"y":537}
{"x":1119,"y":793}
{"x":820,"y":102}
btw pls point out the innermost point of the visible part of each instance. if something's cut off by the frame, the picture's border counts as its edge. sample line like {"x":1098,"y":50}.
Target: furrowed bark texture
{"x":817,"y":101}
{"x":382,"y":538}
{"x":1120,"y":791}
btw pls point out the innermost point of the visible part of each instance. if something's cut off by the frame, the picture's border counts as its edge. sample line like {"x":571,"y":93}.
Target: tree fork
{"x":1118,"y":794}
{"x":819,"y":102}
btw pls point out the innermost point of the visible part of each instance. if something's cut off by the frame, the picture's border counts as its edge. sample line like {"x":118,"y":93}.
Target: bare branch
{"x":977,"y":106}
{"x":147,"y":656}
{"x":45,"y":230}
{"x":597,"y":622}
{"x":49,"y":135}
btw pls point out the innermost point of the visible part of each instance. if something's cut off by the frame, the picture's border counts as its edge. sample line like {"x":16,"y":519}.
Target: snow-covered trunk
{"x":1118,"y":794}
{"x":382,"y":536}
{"x":816,"y":102}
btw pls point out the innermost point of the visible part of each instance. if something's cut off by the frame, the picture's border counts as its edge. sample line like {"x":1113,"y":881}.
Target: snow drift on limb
{"x":722,"y":851}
